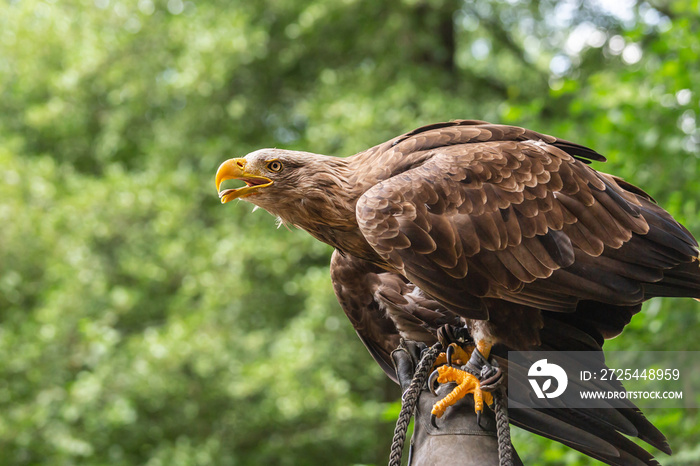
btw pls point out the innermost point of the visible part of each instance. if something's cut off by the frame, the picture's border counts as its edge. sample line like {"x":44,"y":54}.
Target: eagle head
{"x":291,"y":185}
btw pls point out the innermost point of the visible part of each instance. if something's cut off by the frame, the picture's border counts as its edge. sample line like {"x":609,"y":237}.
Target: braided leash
{"x":408,"y":402}
{"x":505,"y":447}
{"x":408,"y":406}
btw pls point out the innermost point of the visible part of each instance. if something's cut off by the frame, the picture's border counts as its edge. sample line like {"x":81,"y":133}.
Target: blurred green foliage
{"x":141,"y":322}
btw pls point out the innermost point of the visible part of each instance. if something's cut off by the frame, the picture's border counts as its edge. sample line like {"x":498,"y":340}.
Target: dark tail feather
{"x":680,"y":281}
{"x":646,"y":430}
{"x":574,"y":429}
{"x":597,"y":433}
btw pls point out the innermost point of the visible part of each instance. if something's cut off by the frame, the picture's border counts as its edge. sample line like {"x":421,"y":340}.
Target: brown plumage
{"x":499,"y":228}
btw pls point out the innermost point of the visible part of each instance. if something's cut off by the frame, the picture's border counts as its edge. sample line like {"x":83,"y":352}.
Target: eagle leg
{"x":474,"y":369}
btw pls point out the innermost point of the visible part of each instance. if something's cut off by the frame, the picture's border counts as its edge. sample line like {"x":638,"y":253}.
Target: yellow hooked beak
{"x":234,"y":169}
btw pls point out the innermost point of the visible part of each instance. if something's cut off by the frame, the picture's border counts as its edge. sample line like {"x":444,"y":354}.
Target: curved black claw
{"x":433,"y":421}
{"x":431,"y":381}
{"x":478,"y":419}
{"x":449,"y":352}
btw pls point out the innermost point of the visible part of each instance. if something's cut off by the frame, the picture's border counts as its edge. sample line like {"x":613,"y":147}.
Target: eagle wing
{"x":501,"y":213}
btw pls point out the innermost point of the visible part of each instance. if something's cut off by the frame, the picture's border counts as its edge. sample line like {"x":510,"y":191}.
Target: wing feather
{"x":489,"y":211}
{"x":506,"y":213}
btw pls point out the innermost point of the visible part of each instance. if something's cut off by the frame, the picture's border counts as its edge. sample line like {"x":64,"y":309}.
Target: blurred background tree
{"x":143,"y":323}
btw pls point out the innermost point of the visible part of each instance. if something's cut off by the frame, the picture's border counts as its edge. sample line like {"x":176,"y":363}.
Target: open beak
{"x":234,"y":169}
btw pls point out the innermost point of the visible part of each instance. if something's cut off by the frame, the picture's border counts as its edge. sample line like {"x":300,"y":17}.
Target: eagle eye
{"x":274,"y":166}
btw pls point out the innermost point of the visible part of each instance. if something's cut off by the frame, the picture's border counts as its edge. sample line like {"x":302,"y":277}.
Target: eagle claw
{"x":431,"y":381}
{"x":449,"y":352}
{"x":469,"y":378}
{"x":433,"y":420}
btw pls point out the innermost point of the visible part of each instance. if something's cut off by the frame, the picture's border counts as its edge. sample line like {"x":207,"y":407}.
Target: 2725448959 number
{"x":636,"y":374}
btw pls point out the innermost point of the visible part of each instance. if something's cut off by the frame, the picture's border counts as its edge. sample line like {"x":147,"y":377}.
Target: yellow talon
{"x":441,"y":359}
{"x":460,"y":356}
{"x":467,"y":383}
